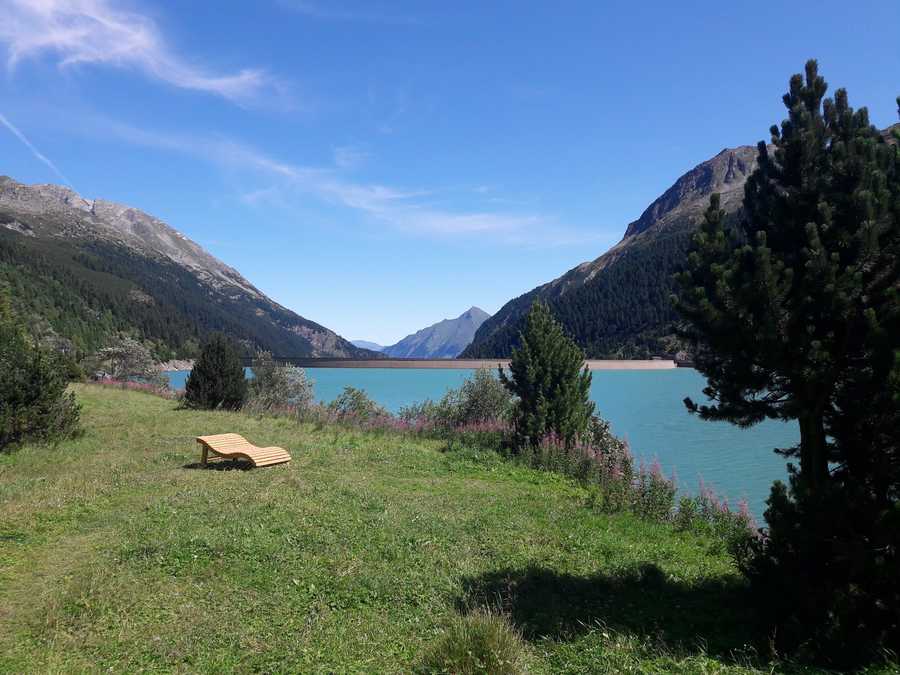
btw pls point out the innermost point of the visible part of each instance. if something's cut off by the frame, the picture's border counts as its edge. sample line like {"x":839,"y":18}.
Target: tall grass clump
{"x":654,"y":494}
{"x":481,"y":642}
{"x":603,"y":463}
{"x":706,"y":512}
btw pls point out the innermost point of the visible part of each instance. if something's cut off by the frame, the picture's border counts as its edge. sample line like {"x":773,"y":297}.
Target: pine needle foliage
{"x":795,"y":315}
{"x":34,"y":402}
{"x":783,"y":311}
{"x":547,"y":377}
{"x":217,"y":379}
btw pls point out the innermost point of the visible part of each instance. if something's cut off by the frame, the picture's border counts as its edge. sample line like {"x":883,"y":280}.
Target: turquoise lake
{"x":645,"y":407}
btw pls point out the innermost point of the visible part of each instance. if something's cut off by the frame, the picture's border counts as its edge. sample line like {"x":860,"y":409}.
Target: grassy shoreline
{"x":117,"y":552}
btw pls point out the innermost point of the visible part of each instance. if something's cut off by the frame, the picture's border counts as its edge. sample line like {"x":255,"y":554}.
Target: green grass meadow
{"x":118,"y":553}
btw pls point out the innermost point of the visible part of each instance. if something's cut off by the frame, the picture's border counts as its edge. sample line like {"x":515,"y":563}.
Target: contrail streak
{"x":34,"y":151}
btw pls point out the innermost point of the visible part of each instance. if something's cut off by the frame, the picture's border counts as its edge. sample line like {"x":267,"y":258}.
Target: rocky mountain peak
{"x":42,"y":197}
{"x":442,"y":340}
{"x":725,"y":173}
{"x":60,"y":211}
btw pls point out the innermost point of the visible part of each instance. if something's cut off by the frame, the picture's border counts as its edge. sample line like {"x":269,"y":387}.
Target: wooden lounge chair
{"x":235,"y":446}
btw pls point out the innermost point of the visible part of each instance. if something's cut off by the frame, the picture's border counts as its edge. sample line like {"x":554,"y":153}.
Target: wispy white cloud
{"x":271,"y":194}
{"x":333,"y":11}
{"x":100,"y":32}
{"x":34,"y":151}
{"x":349,"y":157}
{"x":409,"y":210}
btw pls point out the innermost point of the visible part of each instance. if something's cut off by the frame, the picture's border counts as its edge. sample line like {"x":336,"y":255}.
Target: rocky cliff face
{"x":443,"y":340}
{"x":725,"y":173}
{"x":157,"y":263}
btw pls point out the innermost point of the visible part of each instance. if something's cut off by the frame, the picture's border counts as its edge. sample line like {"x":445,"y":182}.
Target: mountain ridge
{"x":159,"y":282}
{"x":366,"y":344}
{"x":618,"y":305}
{"x":442,"y":340}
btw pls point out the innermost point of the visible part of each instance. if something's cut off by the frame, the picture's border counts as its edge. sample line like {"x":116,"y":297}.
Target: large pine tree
{"x":546,"y":374}
{"x":784,"y":311}
{"x":795,"y":315}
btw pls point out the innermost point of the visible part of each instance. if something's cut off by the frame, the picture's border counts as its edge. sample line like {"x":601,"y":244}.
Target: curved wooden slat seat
{"x":235,"y":446}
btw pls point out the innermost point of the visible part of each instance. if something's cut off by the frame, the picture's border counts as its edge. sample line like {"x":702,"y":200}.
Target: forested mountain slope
{"x":618,"y":305}
{"x":81,"y":270}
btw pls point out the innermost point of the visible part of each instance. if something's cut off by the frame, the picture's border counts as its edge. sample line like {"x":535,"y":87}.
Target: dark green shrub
{"x":482,"y":398}
{"x":74,"y":371}
{"x":217,"y":379}
{"x":481,"y":404}
{"x":826,"y":575}
{"x":687,"y":515}
{"x":34,"y":404}
{"x":480,"y":642}
{"x":278,"y":388}
{"x":546,"y":374}
{"x":354,"y":405}
{"x":421,"y":412}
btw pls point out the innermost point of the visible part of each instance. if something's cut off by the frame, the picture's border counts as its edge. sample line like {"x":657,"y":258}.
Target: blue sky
{"x":379,"y":166}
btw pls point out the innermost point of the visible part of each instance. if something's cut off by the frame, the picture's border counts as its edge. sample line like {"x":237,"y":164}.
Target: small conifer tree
{"x":547,"y":377}
{"x":217,"y":379}
{"x":34,"y":404}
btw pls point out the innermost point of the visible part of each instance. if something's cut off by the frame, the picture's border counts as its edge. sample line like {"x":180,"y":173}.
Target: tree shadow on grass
{"x":713,"y":614}
{"x":221,"y":465}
